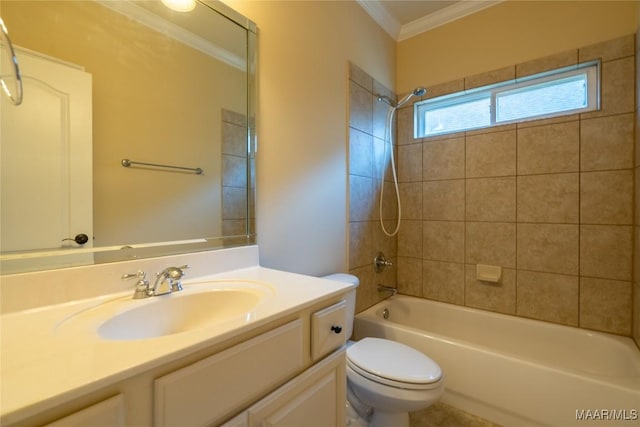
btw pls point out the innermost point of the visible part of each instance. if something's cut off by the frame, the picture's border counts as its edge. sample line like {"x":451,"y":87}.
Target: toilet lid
{"x":391,"y":360}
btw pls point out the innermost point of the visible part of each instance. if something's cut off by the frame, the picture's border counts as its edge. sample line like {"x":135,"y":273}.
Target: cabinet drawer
{"x":206,"y":391}
{"x":328,"y":329}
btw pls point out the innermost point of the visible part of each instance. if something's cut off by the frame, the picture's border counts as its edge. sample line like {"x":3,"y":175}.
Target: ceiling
{"x":404,"y":19}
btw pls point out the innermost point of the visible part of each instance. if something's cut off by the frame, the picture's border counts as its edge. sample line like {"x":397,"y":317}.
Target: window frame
{"x":591,"y":70}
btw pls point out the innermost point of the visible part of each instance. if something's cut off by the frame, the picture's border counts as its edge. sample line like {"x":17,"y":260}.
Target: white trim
{"x":444,"y":16}
{"x":171,"y":30}
{"x":433,"y":20}
{"x":380,"y":15}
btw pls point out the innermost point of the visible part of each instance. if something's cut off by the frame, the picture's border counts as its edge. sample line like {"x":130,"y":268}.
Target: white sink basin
{"x":176,"y":313}
{"x":200,"y":305}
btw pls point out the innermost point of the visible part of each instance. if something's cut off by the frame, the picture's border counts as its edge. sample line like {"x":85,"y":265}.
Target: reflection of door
{"x":46,"y":157}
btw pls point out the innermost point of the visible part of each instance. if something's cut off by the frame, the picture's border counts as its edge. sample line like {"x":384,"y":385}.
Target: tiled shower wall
{"x":636,"y":258}
{"x":367,"y":117}
{"x":550,"y":201}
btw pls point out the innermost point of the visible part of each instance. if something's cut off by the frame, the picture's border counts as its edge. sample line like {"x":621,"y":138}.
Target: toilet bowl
{"x":385,"y":379}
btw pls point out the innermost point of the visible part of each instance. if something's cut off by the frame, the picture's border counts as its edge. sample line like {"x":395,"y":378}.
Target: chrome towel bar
{"x":126,"y":163}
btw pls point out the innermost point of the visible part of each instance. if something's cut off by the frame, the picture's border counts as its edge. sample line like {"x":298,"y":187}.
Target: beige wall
{"x":304,"y":50}
{"x":139,"y":101}
{"x":509,"y":33}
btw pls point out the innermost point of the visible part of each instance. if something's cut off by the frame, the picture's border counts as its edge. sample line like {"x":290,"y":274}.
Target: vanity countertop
{"x":45,"y":362}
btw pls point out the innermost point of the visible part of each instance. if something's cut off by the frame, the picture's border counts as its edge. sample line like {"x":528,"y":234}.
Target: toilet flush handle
{"x":336,"y":329}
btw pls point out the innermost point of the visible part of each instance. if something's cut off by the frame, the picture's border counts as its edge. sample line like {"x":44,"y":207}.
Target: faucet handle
{"x":142,"y":285}
{"x":175,"y":274}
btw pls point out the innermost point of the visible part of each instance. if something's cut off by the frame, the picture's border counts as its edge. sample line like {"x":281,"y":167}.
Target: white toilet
{"x":385,"y":379}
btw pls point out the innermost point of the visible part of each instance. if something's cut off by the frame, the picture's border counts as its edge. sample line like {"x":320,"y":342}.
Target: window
{"x":566,"y":91}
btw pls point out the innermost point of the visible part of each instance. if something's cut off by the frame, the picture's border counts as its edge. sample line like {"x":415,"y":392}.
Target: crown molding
{"x":169,"y":29}
{"x":380,"y":15}
{"x":443,"y":16}
{"x":425,"y":23}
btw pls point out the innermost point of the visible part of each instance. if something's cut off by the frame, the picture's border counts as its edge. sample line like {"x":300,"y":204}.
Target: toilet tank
{"x":350,"y":298}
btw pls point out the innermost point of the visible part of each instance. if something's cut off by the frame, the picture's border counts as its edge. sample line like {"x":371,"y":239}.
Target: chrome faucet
{"x":383,"y":288}
{"x":167,"y":281}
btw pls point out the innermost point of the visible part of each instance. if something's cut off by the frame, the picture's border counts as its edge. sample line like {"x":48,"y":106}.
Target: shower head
{"x":419,"y":91}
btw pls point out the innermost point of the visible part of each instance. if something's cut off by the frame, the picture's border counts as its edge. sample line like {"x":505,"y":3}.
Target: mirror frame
{"x":44,"y":260}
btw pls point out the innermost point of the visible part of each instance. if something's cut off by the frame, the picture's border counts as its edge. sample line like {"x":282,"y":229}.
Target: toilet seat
{"x":394,"y":364}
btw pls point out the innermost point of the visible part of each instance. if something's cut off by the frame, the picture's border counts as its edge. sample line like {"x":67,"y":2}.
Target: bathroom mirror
{"x":135,"y":137}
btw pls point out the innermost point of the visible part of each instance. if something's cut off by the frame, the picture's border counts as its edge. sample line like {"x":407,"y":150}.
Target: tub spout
{"x":383,"y":288}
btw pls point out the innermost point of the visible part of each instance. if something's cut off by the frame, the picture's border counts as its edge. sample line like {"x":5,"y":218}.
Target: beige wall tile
{"x":410,"y":276}
{"x":608,"y":50}
{"x":605,"y":305}
{"x":552,"y":62}
{"x":500,"y":297}
{"x":491,"y":77}
{"x":606,"y":197}
{"x":492,"y":243}
{"x":550,"y":121}
{"x":636,"y":191}
{"x":444,"y":88}
{"x":360,"y":108}
{"x":491,"y":199}
{"x":360,"y":76}
{"x":410,"y":239}
{"x":362,"y":196}
{"x":388,"y":245}
{"x":443,"y":159}
{"x":390,"y":203}
{"x":549,"y":198}
{"x":360,"y":153}
{"x":550,"y":297}
{"x":361,"y":243}
{"x":409,"y":163}
{"x":491,"y":154}
{"x":443,"y":241}
{"x":549,"y":149}
{"x":607,"y":143}
{"x":410,"y":198}
{"x":616,"y":92}
{"x":606,"y":251}
{"x":379,"y":118}
{"x":367,"y":293}
{"x":551,"y":248}
{"x":382,"y":160}
{"x":443,"y":281}
{"x":404,"y":117}
{"x":443,"y":200}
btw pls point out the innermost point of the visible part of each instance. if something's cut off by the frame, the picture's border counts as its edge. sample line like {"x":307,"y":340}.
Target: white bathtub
{"x":514,"y":371}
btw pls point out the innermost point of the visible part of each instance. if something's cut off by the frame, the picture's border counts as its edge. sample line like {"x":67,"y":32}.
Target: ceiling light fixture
{"x":180,"y":5}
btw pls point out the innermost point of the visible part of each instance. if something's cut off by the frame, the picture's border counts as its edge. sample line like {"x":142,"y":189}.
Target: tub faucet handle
{"x":380,"y":262}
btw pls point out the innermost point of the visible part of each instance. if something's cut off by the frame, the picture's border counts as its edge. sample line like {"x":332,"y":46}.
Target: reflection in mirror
{"x":107,"y":81}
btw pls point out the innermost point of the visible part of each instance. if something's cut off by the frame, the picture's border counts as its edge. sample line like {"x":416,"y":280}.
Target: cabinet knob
{"x":336,"y":329}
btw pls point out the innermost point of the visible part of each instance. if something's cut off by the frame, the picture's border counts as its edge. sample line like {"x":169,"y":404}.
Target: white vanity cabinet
{"x":288,"y":372}
{"x":204,"y":392}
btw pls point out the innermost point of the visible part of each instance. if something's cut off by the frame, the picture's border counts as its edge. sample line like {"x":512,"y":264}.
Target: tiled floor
{"x":443,"y":415}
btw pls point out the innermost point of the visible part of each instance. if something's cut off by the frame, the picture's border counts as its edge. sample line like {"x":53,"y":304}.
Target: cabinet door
{"x":207,"y":391}
{"x":315,"y":398}
{"x":108,"y":413}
